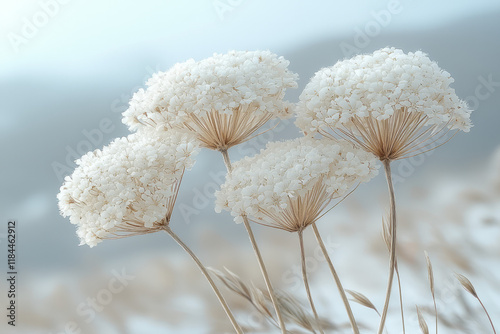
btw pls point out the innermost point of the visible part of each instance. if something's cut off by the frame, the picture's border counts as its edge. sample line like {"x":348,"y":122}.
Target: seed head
{"x":127,"y":188}
{"x":289,"y":184}
{"x":391,"y":104}
{"x":223,"y":99}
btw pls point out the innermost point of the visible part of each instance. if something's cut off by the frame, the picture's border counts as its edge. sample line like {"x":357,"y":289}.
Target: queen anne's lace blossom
{"x":244,"y":82}
{"x":265,"y":185}
{"x":378,"y":85}
{"x":127,"y":187}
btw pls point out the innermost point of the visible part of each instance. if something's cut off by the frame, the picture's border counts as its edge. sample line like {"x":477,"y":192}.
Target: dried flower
{"x":362,"y":299}
{"x":290,"y":183}
{"x":390,"y":103}
{"x":127,"y":188}
{"x":223,"y":99}
{"x":421,"y":322}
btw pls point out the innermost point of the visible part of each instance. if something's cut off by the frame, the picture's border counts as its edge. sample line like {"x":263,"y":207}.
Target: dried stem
{"x":264,"y":274}
{"x":227,"y":161}
{"x":387,"y":239}
{"x":306,"y":282}
{"x":226,"y":308}
{"x":467,"y":285}
{"x":387,"y":167}
{"x":262,"y":266}
{"x":354,"y":325}
{"x":401,"y":298}
{"x":487,"y":314}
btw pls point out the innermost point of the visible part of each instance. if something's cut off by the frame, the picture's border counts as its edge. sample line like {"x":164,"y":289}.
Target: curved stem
{"x":336,"y":277}
{"x":306,"y":283}
{"x":387,"y":167}
{"x":487,"y":314}
{"x":174,"y":236}
{"x":262,"y":266}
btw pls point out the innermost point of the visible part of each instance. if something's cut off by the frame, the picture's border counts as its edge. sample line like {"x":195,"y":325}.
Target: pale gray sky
{"x":80,"y":31}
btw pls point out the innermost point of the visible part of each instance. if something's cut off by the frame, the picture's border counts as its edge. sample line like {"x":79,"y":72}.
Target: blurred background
{"x":67,"y":71}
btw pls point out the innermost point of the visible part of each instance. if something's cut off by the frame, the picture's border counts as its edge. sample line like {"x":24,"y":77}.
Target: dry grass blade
{"x":430,"y":273}
{"x":292,"y":310}
{"x":362,"y":299}
{"x":252,"y":294}
{"x":232,"y":282}
{"x":421,"y":322}
{"x":467,"y":285}
{"x":260,"y":300}
{"x":470,"y":289}
{"x":431,"y":284}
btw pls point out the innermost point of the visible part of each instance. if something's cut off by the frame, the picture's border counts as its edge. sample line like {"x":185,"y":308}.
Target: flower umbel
{"x":127,"y":188}
{"x":392,"y":104}
{"x":223,"y":99}
{"x":289,"y":184}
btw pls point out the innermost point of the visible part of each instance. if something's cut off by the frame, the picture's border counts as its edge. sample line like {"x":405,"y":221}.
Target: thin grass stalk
{"x":387,"y":167}
{"x":487,"y":314}
{"x":263,"y":269}
{"x":435,"y":312}
{"x":431,"y":285}
{"x":306,"y":282}
{"x":354,"y":325}
{"x":223,"y":302}
{"x":262,"y":265}
{"x":467,"y":285}
{"x":401,"y":298}
{"x":387,"y":239}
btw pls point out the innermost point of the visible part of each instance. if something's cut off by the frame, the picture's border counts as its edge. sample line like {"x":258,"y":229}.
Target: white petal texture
{"x":128,"y":187}
{"x":222,"y":99}
{"x":405,"y":90}
{"x":288,"y":184}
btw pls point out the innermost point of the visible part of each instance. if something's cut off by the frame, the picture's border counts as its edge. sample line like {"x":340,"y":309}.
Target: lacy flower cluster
{"x":309,"y":169}
{"x":125,"y":187}
{"x":378,"y":85}
{"x":250,"y":81}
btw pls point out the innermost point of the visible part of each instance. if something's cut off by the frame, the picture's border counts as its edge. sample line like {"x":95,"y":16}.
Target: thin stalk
{"x":263,"y":269}
{"x":226,"y":308}
{"x":487,"y":314}
{"x":262,"y":266}
{"x":336,"y":277}
{"x":306,"y":283}
{"x":227,"y":161}
{"x":387,"y":167}
{"x":436,"y":312}
{"x":401,"y":300}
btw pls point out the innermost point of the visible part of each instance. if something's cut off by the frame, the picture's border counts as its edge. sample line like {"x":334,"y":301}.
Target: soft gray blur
{"x":63,"y":88}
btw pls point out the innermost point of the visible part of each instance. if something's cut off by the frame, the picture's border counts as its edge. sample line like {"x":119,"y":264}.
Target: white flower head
{"x":128,"y":187}
{"x":387,"y":91}
{"x":222,"y":99}
{"x":288,"y":184}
